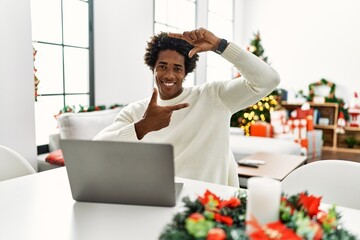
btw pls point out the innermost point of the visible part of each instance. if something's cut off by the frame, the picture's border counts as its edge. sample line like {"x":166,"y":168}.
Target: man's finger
{"x":153,"y":99}
{"x":184,"y":36}
{"x":199,"y":33}
{"x":176,"y":35}
{"x":193,"y":36}
{"x":194,"y":51}
{"x":178,"y":106}
{"x":187,"y":36}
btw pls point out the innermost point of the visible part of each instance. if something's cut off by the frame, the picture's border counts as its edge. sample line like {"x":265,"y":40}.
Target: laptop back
{"x":120,"y":172}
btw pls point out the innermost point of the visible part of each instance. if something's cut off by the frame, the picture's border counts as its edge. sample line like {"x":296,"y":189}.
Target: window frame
{"x":91,"y":81}
{"x":201,"y":20}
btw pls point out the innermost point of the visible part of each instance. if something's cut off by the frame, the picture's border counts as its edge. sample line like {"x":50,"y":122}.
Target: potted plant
{"x":351,"y":142}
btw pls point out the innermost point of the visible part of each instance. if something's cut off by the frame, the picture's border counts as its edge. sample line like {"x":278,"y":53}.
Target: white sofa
{"x":87,"y":125}
{"x":77,"y":126}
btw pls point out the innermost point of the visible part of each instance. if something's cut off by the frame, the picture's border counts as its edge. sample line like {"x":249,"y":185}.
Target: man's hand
{"x":156,"y":117}
{"x":202,"y":39}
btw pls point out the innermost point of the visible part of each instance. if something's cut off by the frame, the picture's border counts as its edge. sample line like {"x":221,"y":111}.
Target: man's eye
{"x":178,"y":69}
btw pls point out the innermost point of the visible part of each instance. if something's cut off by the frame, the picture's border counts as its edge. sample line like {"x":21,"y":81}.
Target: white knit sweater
{"x":200,"y":132}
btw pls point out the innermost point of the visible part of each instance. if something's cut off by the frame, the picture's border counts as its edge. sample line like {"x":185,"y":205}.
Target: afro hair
{"x":162,"y":42}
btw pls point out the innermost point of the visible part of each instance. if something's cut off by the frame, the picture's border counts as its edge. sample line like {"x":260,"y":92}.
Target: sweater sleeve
{"x":122,"y":129}
{"x":257,"y":79}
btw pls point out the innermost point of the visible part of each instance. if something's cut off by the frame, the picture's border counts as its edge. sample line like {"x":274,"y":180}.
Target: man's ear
{"x":184,"y":79}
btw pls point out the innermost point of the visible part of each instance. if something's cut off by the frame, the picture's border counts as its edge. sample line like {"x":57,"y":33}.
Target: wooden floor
{"x":328,"y":154}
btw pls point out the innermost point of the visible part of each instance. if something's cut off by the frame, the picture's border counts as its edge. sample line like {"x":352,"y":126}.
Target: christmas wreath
{"x":210,"y":218}
{"x":325,"y":82}
{"x":331,"y":96}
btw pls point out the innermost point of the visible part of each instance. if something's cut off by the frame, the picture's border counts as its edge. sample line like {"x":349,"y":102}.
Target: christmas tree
{"x":257,"y":48}
{"x":259,"y":111}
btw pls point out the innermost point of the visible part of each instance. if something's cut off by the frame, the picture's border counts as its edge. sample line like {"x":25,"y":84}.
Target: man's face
{"x":169,"y":73}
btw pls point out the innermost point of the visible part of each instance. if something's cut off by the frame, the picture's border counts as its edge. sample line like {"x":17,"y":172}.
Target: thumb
{"x":154,"y":95}
{"x":194,"y":51}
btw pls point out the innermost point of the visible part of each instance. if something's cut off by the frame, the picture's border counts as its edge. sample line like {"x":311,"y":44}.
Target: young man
{"x":194,"y":120}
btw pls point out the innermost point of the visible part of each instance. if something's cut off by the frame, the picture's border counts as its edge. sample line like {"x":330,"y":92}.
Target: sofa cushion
{"x":55,"y":157}
{"x":85,"y":125}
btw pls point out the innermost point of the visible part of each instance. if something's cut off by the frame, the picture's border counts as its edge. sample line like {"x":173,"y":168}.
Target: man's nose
{"x":169,"y":74}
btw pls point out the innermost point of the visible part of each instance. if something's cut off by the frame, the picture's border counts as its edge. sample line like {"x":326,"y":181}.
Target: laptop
{"x":121,"y":172}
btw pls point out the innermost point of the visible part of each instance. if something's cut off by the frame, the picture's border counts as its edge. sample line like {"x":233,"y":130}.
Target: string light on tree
{"x":260,"y":111}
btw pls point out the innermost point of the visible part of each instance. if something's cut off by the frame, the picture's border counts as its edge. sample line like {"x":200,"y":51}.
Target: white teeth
{"x":169,"y":84}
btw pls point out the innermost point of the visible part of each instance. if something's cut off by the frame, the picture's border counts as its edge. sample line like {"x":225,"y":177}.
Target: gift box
{"x":278,"y":121}
{"x":261,"y":129}
{"x":308,"y":115}
{"x":300,"y":113}
{"x":315,"y":143}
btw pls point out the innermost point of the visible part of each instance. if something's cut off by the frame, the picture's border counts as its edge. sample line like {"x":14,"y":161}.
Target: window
{"x":62,"y":36}
{"x":220,"y":21}
{"x":175,"y":16}
{"x":180,"y":15}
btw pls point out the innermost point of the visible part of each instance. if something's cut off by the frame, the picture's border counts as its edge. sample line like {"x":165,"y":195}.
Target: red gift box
{"x":304,"y":113}
{"x":261,"y":129}
{"x":308,"y":115}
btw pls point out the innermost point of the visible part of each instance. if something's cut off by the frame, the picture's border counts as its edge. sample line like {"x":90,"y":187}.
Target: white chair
{"x":337,"y":181}
{"x":12,"y":164}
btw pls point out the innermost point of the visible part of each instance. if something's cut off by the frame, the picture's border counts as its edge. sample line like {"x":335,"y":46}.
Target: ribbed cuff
{"x":128,"y":133}
{"x":232,"y":52}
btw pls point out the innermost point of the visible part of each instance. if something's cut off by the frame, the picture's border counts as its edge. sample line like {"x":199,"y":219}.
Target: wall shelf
{"x":333,"y":140}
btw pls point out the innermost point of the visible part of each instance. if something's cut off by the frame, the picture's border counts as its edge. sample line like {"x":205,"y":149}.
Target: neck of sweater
{"x":174,"y":100}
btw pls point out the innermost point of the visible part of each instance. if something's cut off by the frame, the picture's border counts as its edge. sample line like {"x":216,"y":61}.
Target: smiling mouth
{"x":169,"y":84}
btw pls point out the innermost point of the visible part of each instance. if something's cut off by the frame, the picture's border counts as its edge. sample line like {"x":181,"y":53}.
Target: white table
{"x":277,"y":166}
{"x":40,"y":207}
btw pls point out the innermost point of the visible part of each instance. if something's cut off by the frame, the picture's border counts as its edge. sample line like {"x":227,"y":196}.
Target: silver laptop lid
{"x":120,"y":172}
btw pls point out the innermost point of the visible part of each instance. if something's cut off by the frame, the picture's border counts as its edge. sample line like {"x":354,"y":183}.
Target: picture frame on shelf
{"x":324,"y":121}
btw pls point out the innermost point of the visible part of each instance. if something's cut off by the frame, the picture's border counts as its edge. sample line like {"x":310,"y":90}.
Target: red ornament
{"x":196,"y":216}
{"x":216,"y":234}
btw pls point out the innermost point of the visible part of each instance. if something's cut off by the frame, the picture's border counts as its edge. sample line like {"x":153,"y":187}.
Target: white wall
{"x":307,"y":40}
{"x":17,"y":122}
{"x":121,"y":30}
